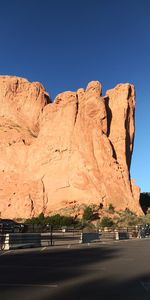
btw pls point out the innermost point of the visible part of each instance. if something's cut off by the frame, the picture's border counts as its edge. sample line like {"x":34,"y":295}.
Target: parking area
{"x":84,"y":271}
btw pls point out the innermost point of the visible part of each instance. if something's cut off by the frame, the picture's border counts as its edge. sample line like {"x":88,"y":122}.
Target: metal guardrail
{"x":28,"y":240}
{"x":14,"y":241}
{"x":60,"y":237}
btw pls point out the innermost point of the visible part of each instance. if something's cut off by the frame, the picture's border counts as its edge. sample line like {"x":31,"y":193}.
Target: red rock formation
{"x":63,"y":154}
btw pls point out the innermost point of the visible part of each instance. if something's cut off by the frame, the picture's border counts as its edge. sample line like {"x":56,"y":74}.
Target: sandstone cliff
{"x":63,"y":154}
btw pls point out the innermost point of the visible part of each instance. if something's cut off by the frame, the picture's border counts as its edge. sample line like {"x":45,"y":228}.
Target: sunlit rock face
{"x":76,"y":150}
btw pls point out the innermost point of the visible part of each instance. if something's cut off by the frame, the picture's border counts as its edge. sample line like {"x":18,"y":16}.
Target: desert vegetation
{"x":91,"y":217}
{"x":55,"y":220}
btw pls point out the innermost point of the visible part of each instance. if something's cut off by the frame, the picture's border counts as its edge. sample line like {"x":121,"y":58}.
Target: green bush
{"x":106,"y":222}
{"x":56,"y":220}
{"x":40,"y":220}
{"x":59,"y":220}
{"x":128,"y":212}
{"x":111,"y":208}
{"x":146,"y":218}
{"x":127,"y":218}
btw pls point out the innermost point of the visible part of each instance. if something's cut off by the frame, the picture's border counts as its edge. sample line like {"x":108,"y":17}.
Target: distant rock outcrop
{"x":76,"y":150}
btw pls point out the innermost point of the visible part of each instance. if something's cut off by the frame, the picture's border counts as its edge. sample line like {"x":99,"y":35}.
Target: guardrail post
{"x":81,"y":238}
{"x":116,"y":235}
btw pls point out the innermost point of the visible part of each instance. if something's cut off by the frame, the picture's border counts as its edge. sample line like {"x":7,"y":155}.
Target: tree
{"x":145,"y":201}
{"x":88,"y":213}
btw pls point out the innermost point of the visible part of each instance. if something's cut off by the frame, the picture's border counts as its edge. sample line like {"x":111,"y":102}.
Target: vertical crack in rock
{"x":128,"y":141}
{"x":129,"y":126}
{"x":45,"y":198}
{"x":109,"y":115}
{"x":114,"y":154}
{"x":32,"y":206}
{"x":77,"y":108}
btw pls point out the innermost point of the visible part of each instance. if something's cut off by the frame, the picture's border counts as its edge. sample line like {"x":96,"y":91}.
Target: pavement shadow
{"x":88,"y":273}
{"x":40,"y":267}
{"x":105,"y":289}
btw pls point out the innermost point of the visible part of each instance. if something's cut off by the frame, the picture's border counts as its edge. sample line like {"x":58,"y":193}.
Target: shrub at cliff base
{"x":88,"y":214}
{"x":55,"y":220}
{"x":127,"y":218}
{"x":106,"y":222}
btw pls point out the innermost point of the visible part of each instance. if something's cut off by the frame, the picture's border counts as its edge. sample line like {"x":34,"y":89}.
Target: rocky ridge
{"x":76,"y":150}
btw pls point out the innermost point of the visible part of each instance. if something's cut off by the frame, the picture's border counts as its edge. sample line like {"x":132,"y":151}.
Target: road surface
{"x":115,"y":269}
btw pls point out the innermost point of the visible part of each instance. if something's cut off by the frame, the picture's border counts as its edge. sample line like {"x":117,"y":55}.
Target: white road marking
{"x":43,"y":248}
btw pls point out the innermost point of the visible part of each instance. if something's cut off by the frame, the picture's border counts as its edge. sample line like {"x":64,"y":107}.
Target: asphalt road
{"x":99,"y":271}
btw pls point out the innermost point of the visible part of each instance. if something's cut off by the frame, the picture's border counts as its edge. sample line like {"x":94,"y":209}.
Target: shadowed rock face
{"x":73,"y":151}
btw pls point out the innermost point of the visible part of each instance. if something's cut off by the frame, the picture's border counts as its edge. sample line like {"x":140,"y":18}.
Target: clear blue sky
{"x":65,"y":44}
